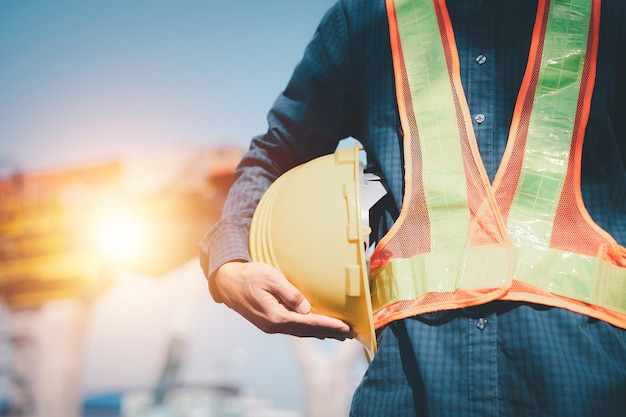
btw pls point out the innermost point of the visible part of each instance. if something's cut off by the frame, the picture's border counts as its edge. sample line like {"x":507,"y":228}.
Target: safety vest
{"x":460,"y":240}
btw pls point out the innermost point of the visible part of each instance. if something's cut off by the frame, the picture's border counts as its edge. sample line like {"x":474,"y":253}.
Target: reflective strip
{"x":452,"y":267}
{"x":433,"y":103}
{"x":445,"y":271}
{"x":579,"y":277}
{"x":531,"y":217}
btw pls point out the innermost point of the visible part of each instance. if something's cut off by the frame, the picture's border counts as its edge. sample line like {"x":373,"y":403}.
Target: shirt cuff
{"x":219,"y":246}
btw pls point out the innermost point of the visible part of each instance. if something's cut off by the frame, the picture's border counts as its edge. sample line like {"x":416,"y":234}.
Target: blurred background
{"x":120,"y":125}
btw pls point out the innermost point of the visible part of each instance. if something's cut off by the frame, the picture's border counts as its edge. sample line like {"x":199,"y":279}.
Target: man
{"x":525,"y":82}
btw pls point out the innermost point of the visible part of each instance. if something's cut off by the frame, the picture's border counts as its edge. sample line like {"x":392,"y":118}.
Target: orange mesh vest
{"x":460,"y":240}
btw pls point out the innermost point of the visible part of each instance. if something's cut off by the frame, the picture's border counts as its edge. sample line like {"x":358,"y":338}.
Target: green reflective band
{"x":578,"y":277}
{"x":544,"y":167}
{"x":433,"y":103}
{"x":435,"y":272}
{"x":453,"y":266}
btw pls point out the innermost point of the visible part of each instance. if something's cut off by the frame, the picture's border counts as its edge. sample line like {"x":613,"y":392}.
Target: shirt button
{"x":480,"y":59}
{"x":481,"y":323}
{"x":479,"y":118}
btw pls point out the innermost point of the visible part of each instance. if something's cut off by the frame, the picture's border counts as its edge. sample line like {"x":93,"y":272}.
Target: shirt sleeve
{"x":307,"y":120}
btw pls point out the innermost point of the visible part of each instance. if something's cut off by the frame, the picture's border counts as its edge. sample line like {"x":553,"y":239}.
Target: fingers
{"x":268,"y":300}
{"x":278,"y":318}
{"x":288,"y":294}
{"x":319,"y":326}
{"x":273,"y":315}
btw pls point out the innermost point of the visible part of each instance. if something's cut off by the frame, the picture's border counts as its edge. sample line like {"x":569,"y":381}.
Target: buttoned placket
{"x":480,"y":68}
{"x":479,"y":75}
{"x":483,"y":368}
{"x":479,"y":118}
{"x":480,"y":92}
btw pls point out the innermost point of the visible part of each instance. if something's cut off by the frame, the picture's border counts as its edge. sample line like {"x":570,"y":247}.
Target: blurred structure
{"x":64,"y":234}
{"x":61,"y":232}
{"x":64,"y":238}
{"x":326,"y":375}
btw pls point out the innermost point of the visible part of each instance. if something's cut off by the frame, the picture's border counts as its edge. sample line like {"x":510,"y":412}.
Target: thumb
{"x":304,"y":307}
{"x":292,"y":298}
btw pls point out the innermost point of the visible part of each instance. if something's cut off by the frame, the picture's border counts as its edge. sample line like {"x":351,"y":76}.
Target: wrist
{"x":217,"y":275}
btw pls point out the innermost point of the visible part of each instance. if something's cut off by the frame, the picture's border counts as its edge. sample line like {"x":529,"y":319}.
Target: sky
{"x":83,"y":81}
{"x":86,"y":81}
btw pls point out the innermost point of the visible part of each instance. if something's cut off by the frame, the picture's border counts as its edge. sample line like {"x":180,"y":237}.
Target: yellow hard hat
{"x":311,"y":225}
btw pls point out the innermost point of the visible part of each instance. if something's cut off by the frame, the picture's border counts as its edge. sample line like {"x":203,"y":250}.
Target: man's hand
{"x":263,"y":295}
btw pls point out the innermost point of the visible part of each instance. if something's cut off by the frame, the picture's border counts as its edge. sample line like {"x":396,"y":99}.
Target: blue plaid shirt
{"x":500,"y":359}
